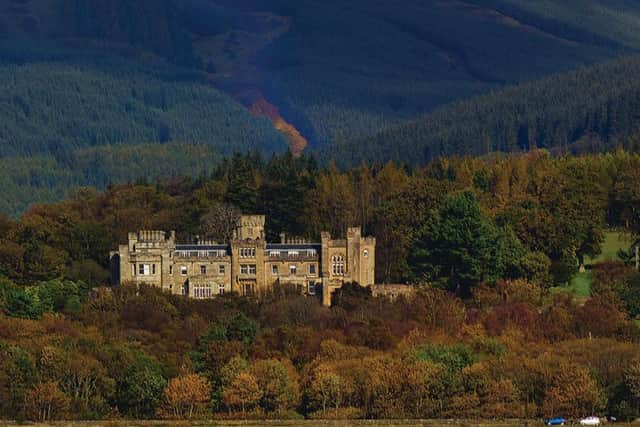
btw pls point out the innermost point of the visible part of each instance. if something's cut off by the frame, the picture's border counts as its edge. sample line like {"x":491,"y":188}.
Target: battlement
{"x":250,"y":227}
{"x":152,"y":236}
{"x":292,"y":240}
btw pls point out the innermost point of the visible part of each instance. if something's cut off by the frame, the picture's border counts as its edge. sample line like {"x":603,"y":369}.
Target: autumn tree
{"x":573,"y":392}
{"x":328,"y":386}
{"x":46,"y":402}
{"x":278,"y":383}
{"x":243,"y":392}
{"x":187,"y":396}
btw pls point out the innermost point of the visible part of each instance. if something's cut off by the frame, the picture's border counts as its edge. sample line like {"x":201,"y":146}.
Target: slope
{"x":54,"y":108}
{"x":333,"y":69}
{"x":593,"y":108}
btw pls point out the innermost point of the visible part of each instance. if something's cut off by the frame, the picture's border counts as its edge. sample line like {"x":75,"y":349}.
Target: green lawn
{"x":613,"y":242}
{"x":580,"y":285}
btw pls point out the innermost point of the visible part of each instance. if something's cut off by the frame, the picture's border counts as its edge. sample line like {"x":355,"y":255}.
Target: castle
{"x":247,"y":265}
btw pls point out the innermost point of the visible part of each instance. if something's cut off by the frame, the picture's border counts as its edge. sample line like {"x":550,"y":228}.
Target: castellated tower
{"x":349,"y":260}
{"x":146,"y":258}
{"x":250,"y":227}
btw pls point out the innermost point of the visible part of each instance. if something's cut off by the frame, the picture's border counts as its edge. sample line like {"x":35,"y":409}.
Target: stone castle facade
{"x":247,"y":265}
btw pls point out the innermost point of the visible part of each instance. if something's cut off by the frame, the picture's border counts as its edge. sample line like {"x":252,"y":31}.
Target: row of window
{"x":293,"y":270}
{"x":247,"y":252}
{"x":247,"y":269}
{"x":201,"y":254}
{"x":337,"y":267}
{"x":184,"y":270}
{"x":205,"y":291}
{"x":294,"y":253}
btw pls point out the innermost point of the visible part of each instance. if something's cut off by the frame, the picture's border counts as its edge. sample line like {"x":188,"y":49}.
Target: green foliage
{"x":591,"y":109}
{"x":242,"y":328}
{"x":77,"y":119}
{"x":337,"y":81}
{"x":453,"y":358}
{"x":461,"y":247}
{"x":629,"y":291}
{"x":47,"y":297}
{"x":141,"y":387}
{"x":18,"y":373}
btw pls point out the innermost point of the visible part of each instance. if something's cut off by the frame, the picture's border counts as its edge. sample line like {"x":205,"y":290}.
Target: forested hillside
{"x":592,"y":109}
{"x":341,"y":69}
{"x":71,"y":119}
{"x":332,"y":73}
{"x":485,"y":335}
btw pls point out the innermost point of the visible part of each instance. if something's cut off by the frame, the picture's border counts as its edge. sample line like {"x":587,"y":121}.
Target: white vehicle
{"x":590,"y":421}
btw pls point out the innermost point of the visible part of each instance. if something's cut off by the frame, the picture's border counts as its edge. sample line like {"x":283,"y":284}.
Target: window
{"x":203,"y":269}
{"x":337,"y":264}
{"x":247,"y":288}
{"x":202,"y":291}
{"x":247,"y":252}
{"x":221,"y":269}
{"x":183,"y":270}
{"x":293,"y":270}
{"x":171,"y":269}
{"x":294,"y":253}
{"x":153,"y":269}
{"x":144,"y":269}
{"x":311,"y":288}
{"x":365,"y":253}
{"x":312,"y":269}
{"x":274,"y":253}
{"x":221,"y":290}
{"x":274,"y":270}
{"x":249,"y":269}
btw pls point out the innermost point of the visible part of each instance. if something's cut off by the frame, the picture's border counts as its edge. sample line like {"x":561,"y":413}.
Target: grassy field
{"x":580,"y":285}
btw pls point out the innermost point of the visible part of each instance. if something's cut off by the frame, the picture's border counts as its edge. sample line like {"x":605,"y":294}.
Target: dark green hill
{"x":593,"y":108}
{"x":70,"y":119}
{"x":343,"y":68}
{"x":338,"y":70}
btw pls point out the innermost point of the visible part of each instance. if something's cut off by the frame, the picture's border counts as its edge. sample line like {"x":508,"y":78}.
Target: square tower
{"x":250,"y":227}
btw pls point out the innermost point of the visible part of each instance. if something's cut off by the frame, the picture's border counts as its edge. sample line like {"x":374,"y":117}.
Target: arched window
{"x":337,"y":264}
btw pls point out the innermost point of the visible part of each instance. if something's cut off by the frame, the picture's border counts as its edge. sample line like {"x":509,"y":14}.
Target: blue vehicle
{"x":558,"y":421}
